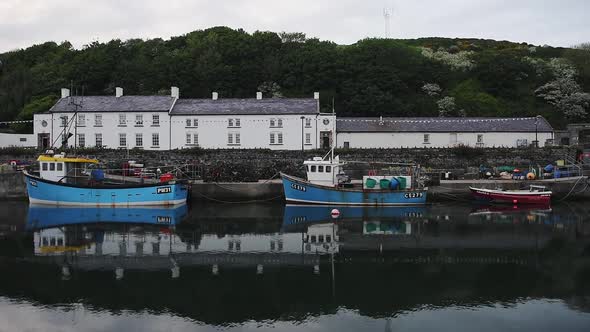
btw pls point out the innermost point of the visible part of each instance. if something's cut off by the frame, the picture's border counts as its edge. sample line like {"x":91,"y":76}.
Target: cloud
{"x":563,"y":23}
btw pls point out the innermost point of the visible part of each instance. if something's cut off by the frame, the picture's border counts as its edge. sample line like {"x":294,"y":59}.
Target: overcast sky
{"x":553,"y":22}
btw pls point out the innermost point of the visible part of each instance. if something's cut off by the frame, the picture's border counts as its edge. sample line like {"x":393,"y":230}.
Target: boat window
{"x":321,"y":169}
{"x":52,"y":242}
{"x":44,"y":166}
{"x":60,"y":166}
{"x":52,"y":166}
{"x":313,"y":169}
{"x":313,"y":237}
{"x":321,"y":238}
{"x":45,"y":241}
{"x":306,"y":168}
{"x":328,"y":169}
{"x":328,"y":238}
{"x":60,"y":242}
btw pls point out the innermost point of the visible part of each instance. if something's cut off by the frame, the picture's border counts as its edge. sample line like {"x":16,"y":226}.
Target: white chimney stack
{"x":316,"y":95}
{"x":175,"y":92}
{"x":118,"y":92}
{"x":214,"y":96}
{"x":258,"y":95}
{"x":65,"y":93}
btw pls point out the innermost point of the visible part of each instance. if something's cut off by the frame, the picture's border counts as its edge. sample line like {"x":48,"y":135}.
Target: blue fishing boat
{"x":43,"y":216}
{"x":327,"y":184}
{"x":69,"y":181}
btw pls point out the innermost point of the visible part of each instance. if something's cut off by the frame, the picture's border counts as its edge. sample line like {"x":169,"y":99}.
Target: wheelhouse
{"x":59,"y":168}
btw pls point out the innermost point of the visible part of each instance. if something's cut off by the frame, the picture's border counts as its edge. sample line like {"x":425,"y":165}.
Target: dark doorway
{"x":43,"y":141}
{"x":326,"y":139}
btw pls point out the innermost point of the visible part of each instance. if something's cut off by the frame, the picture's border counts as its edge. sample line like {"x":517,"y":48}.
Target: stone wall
{"x":253,"y":165}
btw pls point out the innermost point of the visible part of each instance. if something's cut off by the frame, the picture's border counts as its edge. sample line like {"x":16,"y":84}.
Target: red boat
{"x":534,"y":195}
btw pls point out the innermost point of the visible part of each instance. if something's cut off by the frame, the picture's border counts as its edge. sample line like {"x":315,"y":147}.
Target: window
{"x":122,"y":120}
{"x":426,"y":138}
{"x":328,"y":169}
{"x":237,"y":138}
{"x":188,"y":122}
{"x":23,"y":139}
{"x":98,"y":139}
{"x":313,"y":168}
{"x":98,"y":120}
{"x":64,"y":121}
{"x":230,"y":138}
{"x":280,"y":138}
{"x":44,"y":166}
{"x":320,"y":169}
{"x":230,"y":122}
{"x":280,"y":123}
{"x":139,"y":120}
{"x":479,"y":138}
{"x":196,"y":139}
{"x":122,"y":139}
{"x":272,"y":138}
{"x":195,"y":122}
{"x":272,"y":123}
{"x":188,"y":138}
{"x":52,"y":166}
{"x":81,"y":140}
{"x":307,"y":138}
{"x":346,"y":145}
{"x":60,"y":167}
{"x":81,"y":120}
{"x":155,"y":140}
{"x":155,"y":120}
{"x":308,"y":122}
{"x":139,"y":140}
{"x":233,"y":123}
{"x":237,"y":122}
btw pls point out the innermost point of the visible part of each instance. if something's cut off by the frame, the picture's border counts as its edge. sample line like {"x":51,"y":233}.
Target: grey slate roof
{"x":442,"y":125}
{"x":245,"y":106}
{"x":114,"y":104}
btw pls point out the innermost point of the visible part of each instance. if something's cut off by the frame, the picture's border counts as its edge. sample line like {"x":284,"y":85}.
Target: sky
{"x":539,"y":22}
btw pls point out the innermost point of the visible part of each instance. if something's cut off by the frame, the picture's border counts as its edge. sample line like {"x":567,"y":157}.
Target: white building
{"x":167,"y":122}
{"x":20,"y":140}
{"x":442,"y":132}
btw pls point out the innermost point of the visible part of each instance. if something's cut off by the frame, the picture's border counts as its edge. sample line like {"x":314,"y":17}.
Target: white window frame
{"x":196,"y":139}
{"x":280,"y":138}
{"x":155,"y":140}
{"x":279,"y":123}
{"x":64,"y":120}
{"x":307,"y":122}
{"x":155,"y":120}
{"x":188,"y":122}
{"x":98,"y":139}
{"x":426,"y":139}
{"x":189,"y":137}
{"x":479,"y":139}
{"x":122,"y":139}
{"x":139,"y":120}
{"x":122,"y":120}
{"x":196,"y":123}
{"x":272,"y":123}
{"x":230,"y":138}
{"x":98,"y":120}
{"x":81,"y":120}
{"x":139,"y":140}
{"x":81,"y":140}
{"x":307,"y":138}
{"x":272,"y":139}
{"x":230,"y":123}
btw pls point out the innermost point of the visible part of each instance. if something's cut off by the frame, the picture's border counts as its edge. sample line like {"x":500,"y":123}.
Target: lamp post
{"x":537,"y":131}
{"x":302,"y":134}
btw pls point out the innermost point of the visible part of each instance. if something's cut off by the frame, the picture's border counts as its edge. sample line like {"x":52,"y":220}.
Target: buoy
{"x":335,"y":213}
{"x":514,"y":201}
{"x":530,"y":176}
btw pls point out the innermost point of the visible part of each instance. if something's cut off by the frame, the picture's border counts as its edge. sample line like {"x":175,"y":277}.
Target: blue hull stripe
{"x":46,"y":192}
{"x":301,"y":191}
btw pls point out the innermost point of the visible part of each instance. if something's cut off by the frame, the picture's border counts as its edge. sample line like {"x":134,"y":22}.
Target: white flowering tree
{"x":431,"y":89}
{"x":457,"y":61}
{"x":446,"y":106}
{"x":564,"y":92}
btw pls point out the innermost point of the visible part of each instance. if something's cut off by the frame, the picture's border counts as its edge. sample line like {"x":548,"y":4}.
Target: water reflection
{"x":267,"y":263}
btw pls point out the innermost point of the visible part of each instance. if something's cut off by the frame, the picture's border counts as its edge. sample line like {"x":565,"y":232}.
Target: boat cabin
{"x":59,"y":168}
{"x":323,"y":172}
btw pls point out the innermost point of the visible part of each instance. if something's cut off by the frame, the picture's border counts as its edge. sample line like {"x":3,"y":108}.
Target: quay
{"x":12,"y":186}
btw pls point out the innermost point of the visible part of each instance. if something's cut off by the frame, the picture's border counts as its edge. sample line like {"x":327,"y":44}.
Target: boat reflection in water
{"x":103,"y":231}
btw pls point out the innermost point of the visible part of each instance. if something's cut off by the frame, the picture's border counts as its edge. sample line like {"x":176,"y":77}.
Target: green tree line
{"x":373,"y":77}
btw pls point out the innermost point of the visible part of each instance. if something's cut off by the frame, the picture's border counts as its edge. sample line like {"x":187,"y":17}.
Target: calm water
{"x":271,"y":267}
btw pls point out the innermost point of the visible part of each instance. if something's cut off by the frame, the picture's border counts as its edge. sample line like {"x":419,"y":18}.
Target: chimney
{"x":175,"y":92}
{"x":258,"y":95}
{"x":316,"y":95}
{"x":214,"y":96}
{"x":118,"y":92}
{"x":65,"y":93}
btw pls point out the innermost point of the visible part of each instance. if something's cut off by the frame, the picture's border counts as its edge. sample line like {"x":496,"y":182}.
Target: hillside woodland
{"x":373,"y":77}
